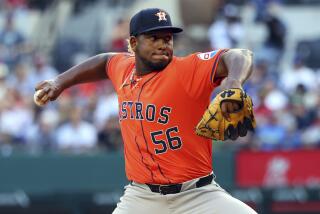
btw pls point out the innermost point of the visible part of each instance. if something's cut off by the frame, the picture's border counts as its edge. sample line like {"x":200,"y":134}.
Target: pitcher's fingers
{"x":224,"y":111}
{"x":233,"y":107}
{"x":44,"y":99}
{"x":224,"y":107}
{"x":41,"y":85}
{"x":52,"y":95}
{"x":230,"y":107}
{"x":42,"y":92}
{"x":236,"y":106}
{"x":226,"y":115}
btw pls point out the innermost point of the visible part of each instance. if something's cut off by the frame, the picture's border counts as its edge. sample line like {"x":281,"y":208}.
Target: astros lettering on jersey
{"x":156,"y":122}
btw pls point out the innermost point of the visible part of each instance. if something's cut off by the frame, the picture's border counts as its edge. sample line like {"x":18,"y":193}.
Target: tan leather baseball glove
{"x":215,"y":125}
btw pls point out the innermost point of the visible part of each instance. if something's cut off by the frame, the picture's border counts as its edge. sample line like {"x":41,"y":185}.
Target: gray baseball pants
{"x":209,"y":199}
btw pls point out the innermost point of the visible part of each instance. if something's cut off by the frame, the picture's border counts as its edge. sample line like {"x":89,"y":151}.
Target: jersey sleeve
{"x":116,"y":68}
{"x":197,"y":72}
{"x":111,"y":66}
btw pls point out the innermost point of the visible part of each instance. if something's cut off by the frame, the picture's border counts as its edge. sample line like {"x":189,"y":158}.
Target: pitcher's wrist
{"x":231,"y":83}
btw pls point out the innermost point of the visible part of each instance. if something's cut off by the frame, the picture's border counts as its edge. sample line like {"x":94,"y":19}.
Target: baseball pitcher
{"x":166,"y":118}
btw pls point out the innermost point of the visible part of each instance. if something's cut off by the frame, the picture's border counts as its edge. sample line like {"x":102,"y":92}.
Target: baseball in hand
{"x":39,"y":102}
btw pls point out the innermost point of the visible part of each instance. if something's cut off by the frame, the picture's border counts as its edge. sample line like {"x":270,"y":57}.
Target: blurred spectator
{"x":80,"y":5}
{"x":15,"y":3}
{"x":12,"y":5}
{"x":39,"y":4}
{"x":12,"y":42}
{"x":63,"y":106}
{"x":262,"y":8}
{"x":15,"y":116}
{"x":277,"y":32}
{"x":304,"y":118}
{"x":299,"y":74}
{"x":227,"y":31}
{"x":303,"y":109}
{"x":288,"y":122}
{"x":4,"y":138}
{"x":42,"y":70}
{"x":271,"y":134}
{"x":65,"y":48}
{"x":40,"y":136}
{"x":119,"y":36}
{"x":311,"y":135}
{"x":109,"y":137}
{"x":4,"y":71}
{"x":297,"y":95}
{"x":76,"y":135}
{"x":257,"y":80}
{"x":107,"y":107}
{"x":20,"y":79}
{"x":275,"y":42}
{"x":274,"y":98}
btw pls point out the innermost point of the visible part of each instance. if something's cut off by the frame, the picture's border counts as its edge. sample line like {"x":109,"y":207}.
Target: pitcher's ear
{"x":133,"y":41}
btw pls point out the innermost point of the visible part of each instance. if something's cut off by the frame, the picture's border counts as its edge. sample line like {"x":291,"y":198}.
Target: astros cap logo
{"x":151,"y":19}
{"x":161,"y":15}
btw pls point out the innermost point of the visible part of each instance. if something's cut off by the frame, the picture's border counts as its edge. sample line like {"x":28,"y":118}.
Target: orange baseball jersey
{"x":158,"y":113}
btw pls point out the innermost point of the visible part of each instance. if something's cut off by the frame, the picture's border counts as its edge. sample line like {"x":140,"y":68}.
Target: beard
{"x":158,"y":66}
{"x":152,"y":66}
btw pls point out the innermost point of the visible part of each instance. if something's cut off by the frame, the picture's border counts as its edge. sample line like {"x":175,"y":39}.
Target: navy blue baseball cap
{"x":151,"y":19}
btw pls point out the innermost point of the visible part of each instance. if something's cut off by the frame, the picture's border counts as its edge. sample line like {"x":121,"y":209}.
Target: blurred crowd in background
{"x":37,"y":44}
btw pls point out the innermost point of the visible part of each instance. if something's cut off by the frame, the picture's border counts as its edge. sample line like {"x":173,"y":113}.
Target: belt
{"x":176,"y":188}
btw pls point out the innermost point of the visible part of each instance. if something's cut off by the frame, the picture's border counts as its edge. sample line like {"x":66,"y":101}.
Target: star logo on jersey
{"x":161,"y":15}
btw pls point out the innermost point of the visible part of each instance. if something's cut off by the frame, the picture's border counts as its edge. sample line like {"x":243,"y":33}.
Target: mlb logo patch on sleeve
{"x":207,"y":55}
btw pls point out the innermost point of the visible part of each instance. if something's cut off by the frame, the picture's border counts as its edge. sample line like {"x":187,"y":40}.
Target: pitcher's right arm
{"x":91,"y":70}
